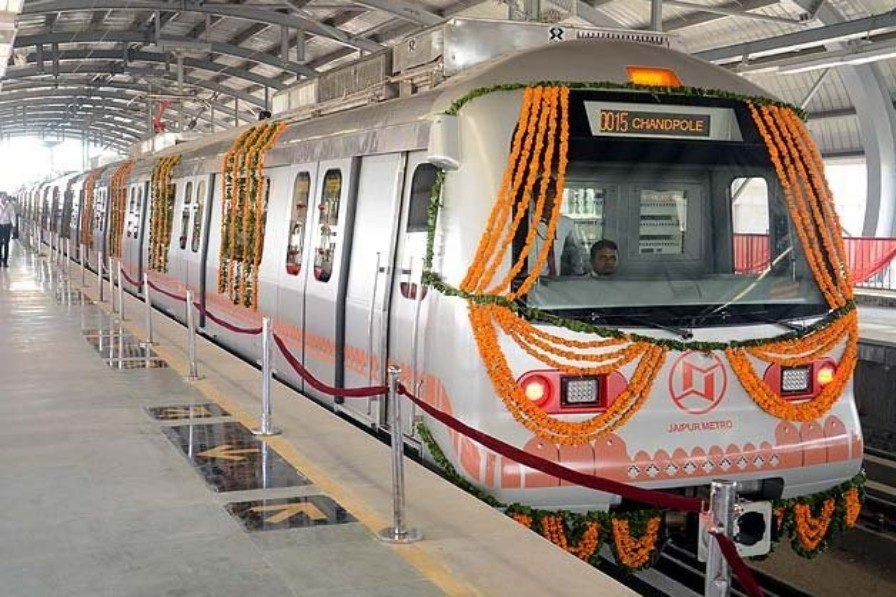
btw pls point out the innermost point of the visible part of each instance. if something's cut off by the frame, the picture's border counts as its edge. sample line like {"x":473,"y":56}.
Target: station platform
{"x":122,"y":478}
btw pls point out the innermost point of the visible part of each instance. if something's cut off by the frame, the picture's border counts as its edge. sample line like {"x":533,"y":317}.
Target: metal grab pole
{"x":99,"y":273}
{"x":120,"y":290}
{"x":723,"y":496}
{"x":266,"y":428}
{"x":191,"y":339}
{"x":397,"y":533}
{"x":148,"y":302}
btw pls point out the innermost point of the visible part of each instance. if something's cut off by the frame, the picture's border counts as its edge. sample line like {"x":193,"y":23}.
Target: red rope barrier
{"x":130,"y":280}
{"x":729,"y":550}
{"x":226,"y":324}
{"x":168,"y":294}
{"x":322,"y":387}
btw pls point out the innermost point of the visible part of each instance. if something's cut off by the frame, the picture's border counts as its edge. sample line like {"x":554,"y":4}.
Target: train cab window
{"x":296,"y":242}
{"x":421,"y":192}
{"x":331,"y":191}
{"x":198,"y":209}
{"x":662,"y":223}
{"x":185,"y":215}
{"x":750,"y":221}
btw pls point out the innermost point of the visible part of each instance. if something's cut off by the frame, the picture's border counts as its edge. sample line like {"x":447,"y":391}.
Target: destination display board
{"x":617,"y":119}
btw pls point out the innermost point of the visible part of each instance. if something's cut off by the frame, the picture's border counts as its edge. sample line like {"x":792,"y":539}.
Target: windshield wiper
{"x":685,"y":334}
{"x":781,"y":322}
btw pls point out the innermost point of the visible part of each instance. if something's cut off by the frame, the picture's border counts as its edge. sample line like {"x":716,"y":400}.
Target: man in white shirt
{"x":7,"y":222}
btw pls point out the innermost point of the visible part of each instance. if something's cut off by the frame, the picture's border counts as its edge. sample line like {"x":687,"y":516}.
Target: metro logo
{"x":697,"y":382}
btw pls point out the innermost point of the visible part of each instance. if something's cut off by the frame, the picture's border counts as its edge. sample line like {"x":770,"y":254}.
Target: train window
{"x":329,"y":219}
{"x":197,"y":217}
{"x":583,"y":205}
{"x":297,"y":222}
{"x":750,"y":224}
{"x":133,"y":200}
{"x":185,"y":215}
{"x":421,"y":193}
{"x":662,"y":222}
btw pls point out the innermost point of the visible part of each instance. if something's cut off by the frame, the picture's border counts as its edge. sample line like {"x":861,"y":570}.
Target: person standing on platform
{"x":7,"y":222}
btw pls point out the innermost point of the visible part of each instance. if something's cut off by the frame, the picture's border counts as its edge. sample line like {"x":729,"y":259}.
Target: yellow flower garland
{"x":118,"y":193}
{"x":243,"y":212}
{"x":162,"y":212}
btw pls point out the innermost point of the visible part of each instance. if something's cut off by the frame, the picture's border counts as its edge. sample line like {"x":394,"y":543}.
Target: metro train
{"x":413,"y":229}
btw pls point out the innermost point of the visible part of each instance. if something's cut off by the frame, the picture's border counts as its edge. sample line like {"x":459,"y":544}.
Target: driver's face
{"x":604,"y":262}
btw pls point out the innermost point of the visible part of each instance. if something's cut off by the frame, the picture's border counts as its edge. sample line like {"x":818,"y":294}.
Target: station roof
{"x":114,"y":70}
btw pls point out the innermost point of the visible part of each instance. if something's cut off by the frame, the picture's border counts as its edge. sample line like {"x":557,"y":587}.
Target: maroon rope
{"x":322,"y":387}
{"x":647,"y":496}
{"x":729,"y":550}
{"x":226,"y":324}
{"x":166,"y":293}
{"x":130,"y":280}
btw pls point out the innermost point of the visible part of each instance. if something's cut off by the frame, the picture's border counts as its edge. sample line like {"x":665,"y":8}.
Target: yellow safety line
{"x":415,"y":554}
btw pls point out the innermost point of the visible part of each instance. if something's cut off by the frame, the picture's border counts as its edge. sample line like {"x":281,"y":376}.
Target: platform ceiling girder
{"x":83,"y":56}
{"x":118,"y":69}
{"x":145,"y":38}
{"x":242,"y":11}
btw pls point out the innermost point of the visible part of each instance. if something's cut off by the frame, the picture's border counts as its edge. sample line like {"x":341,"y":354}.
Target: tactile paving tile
{"x":289,"y":513}
{"x":177,"y":412}
{"x":230,"y":458}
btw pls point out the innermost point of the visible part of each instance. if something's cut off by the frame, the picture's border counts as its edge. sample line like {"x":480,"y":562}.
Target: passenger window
{"x":750,"y":220}
{"x":662,"y":224}
{"x":169,"y":211}
{"x":197,"y":217}
{"x":421,"y":193}
{"x":583,"y":204}
{"x":133,"y":200}
{"x":295,"y":246}
{"x":185,"y":215}
{"x":329,"y":219}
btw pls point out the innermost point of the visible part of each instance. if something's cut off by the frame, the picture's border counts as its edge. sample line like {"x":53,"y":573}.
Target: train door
{"x":325,"y":290}
{"x":295,"y":259}
{"x":370,"y":279}
{"x":142,"y":216}
{"x":100,"y":217}
{"x":408,"y":317}
{"x":198,"y":233}
{"x":130,"y":255}
{"x":180,"y":231}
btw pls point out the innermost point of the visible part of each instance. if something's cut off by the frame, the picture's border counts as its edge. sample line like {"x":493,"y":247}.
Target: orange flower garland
{"x":811,"y":530}
{"x":554,"y":530}
{"x":634,"y":553}
{"x":87,"y":206}
{"x":852,"y":507}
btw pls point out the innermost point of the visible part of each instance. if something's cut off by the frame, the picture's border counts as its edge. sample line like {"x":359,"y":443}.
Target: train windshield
{"x":675,"y":232}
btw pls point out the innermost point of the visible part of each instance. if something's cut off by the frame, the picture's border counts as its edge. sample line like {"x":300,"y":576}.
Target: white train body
{"x":697,"y":424}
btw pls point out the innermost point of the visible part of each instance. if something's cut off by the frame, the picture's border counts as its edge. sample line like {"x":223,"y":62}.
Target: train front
{"x":721,"y":340}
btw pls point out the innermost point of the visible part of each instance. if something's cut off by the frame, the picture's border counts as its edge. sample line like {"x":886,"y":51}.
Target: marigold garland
{"x":243,"y":213}
{"x":161,"y":212}
{"x":88,"y":206}
{"x":631,"y":553}
{"x":118,"y":194}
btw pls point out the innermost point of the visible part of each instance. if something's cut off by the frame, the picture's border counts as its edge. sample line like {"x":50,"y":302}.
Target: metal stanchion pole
{"x":81,"y":252}
{"x":397,"y":533}
{"x":266,"y":428}
{"x":120,"y":290}
{"x":99,"y":274}
{"x":147,"y":301}
{"x":723,"y":496}
{"x":191,"y":339}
